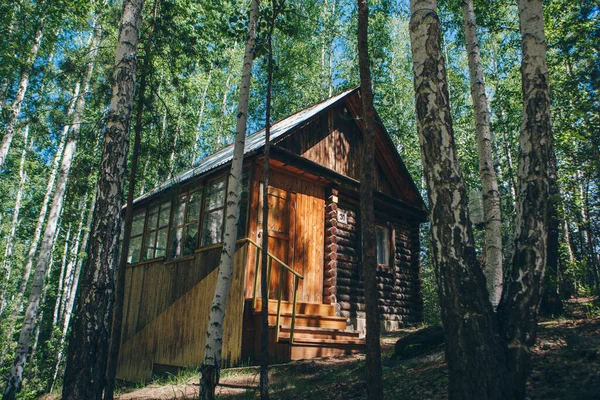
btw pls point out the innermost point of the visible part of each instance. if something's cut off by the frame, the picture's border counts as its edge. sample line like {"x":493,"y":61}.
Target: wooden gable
{"x":334,"y":139}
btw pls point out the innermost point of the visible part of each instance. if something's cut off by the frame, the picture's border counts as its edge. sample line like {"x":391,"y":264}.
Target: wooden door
{"x":281,"y":228}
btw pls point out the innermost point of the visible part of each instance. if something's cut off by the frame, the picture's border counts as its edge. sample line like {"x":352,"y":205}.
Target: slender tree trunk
{"x":211,"y":364}
{"x":23,"y":83}
{"x":367,"y":213}
{"x":473,"y":349}
{"x":73,"y":291}
{"x":16,"y":377}
{"x":201,"y":115}
{"x":115,"y":343}
{"x":489,"y":183}
{"x":7,"y":263}
{"x":220,"y":135}
{"x":61,"y":278}
{"x":72,"y":261}
{"x":518,"y":309}
{"x":264,"y":283}
{"x":85,"y":374}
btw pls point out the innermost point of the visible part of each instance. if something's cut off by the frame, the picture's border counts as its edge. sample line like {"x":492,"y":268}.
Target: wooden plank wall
{"x":172,"y":331}
{"x":308,"y":253}
{"x":334,"y":140}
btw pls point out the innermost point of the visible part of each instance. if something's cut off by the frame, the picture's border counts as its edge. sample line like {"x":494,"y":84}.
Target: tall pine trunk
{"x":367,"y":213}
{"x":115,"y":343}
{"x":214,"y":335}
{"x":20,"y":96}
{"x":489,"y":183}
{"x":85,"y":374}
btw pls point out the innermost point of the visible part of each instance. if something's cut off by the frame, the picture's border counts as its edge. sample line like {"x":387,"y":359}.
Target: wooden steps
{"x":318,"y":332}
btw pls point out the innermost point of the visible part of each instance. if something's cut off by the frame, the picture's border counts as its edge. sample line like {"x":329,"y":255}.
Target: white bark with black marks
{"x":214,"y":334}
{"x":489,"y":183}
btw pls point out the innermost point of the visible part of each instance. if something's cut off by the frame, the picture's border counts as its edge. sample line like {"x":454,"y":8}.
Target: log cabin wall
{"x":399,"y":284}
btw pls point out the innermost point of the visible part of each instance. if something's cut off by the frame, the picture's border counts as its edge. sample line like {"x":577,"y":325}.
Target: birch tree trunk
{"x":367,"y":213}
{"x":489,"y":183}
{"x":85,"y":374}
{"x":70,"y":299}
{"x":16,"y":376}
{"x":520,"y":300}
{"x":473,"y":349}
{"x":18,"y":307}
{"x":115,"y":343}
{"x":61,"y":277}
{"x":7,"y":264}
{"x":23,"y":83}
{"x":211,"y":364}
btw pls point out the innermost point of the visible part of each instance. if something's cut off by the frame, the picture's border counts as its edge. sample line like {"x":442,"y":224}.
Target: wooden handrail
{"x":282,"y":266}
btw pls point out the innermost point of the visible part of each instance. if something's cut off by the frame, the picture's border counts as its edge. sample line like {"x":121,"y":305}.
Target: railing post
{"x":269,"y":276}
{"x":256,"y":272}
{"x":279,"y":290}
{"x":296,"y":279}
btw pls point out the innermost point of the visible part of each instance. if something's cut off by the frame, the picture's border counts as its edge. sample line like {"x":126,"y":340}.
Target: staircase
{"x":318,"y":332}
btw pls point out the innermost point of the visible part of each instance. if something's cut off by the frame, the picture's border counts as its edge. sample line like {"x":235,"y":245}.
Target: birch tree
{"x":211,"y":364}
{"x":367,"y":213}
{"x":85,"y":373}
{"x":488,"y":354}
{"x":492,"y":268}
{"x":22,"y":89}
{"x":16,"y":375}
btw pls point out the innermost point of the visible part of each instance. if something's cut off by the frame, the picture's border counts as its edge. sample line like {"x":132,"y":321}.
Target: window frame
{"x":205,"y":212}
{"x":142,"y":210}
{"x":389,"y":230}
{"x":147,"y":231}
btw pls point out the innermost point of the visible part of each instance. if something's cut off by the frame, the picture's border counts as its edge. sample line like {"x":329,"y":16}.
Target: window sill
{"x":179,"y":259}
{"x":150,"y":261}
{"x":208,"y":248}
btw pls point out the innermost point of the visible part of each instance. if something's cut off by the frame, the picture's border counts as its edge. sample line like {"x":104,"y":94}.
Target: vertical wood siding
{"x":167,"y":314}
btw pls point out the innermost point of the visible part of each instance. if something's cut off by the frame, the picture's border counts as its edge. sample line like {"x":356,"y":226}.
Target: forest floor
{"x":566,"y":365}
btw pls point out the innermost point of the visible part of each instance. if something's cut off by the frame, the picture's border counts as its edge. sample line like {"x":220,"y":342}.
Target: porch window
{"x":212,"y":219}
{"x":157,"y":229}
{"x":383,"y":245}
{"x":135,"y":241}
{"x":184,"y":231}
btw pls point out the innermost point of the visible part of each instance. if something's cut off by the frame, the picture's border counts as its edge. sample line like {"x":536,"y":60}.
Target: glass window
{"x":157,"y":230}
{"x":383,"y":245}
{"x":135,"y":241}
{"x":212,"y":225}
{"x":186,"y":222}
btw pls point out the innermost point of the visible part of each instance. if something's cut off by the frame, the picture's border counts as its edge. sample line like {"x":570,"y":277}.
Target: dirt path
{"x":566,"y":365}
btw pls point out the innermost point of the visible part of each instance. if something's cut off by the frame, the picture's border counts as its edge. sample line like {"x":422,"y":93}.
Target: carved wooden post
{"x":330,"y":278}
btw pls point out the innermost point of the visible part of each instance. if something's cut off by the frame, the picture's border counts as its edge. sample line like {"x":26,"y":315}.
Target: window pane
{"x":215,"y":194}
{"x":383,"y":250}
{"x":175,"y":242}
{"x":137,"y":226}
{"x":179,"y":212}
{"x":165,"y":214}
{"x":212,"y":228}
{"x":149,"y":245}
{"x":152,"y":217}
{"x":135,"y":245}
{"x":191,"y":238}
{"x":161,"y":242}
{"x":193,"y":213}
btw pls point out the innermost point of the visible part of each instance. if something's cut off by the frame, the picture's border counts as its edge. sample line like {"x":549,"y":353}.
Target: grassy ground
{"x":566,"y":366}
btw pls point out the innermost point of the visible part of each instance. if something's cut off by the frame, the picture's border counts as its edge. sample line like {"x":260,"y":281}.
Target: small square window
{"x":383,"y":245}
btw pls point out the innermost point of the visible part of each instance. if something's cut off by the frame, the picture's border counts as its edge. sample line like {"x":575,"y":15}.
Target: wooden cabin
{"x":313,"y":229}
